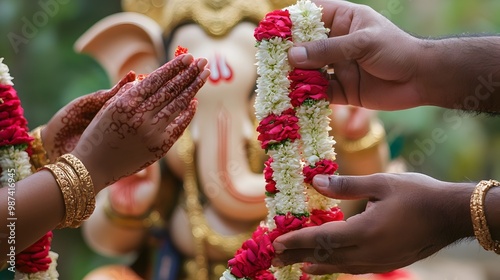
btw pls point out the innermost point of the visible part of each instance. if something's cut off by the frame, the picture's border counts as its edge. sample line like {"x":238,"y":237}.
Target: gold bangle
{"x":150,"y":219}
{"x":66,"y":187}
{"x":76,"y":187}
{"x":80,"y":198}
{"x":87,"y":187}
{"x":39,"y":156}
{"x":479,"y":223}
{"x":373,"y":138}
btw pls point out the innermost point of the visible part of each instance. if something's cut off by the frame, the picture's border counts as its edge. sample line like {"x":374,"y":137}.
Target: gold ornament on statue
{"x":216,"y":17}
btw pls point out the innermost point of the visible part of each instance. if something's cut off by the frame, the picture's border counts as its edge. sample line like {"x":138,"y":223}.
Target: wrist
{"x":433,"y":63}
{"x":456,"y":210}
{"x":460,"y":73}
{"x":493,"y":212}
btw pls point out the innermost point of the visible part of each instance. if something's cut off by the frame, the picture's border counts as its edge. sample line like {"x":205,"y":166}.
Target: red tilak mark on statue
{"x":220,"y":70}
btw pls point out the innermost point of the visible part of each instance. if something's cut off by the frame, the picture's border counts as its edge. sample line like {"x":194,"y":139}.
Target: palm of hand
{"x":63,"y":131}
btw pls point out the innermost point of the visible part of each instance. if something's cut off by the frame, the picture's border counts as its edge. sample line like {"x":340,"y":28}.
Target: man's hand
{"x":374,"y":61}
{"x":409,"y":216}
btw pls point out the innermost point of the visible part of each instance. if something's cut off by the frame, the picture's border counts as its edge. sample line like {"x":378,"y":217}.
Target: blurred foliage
{"x":38,"y":38}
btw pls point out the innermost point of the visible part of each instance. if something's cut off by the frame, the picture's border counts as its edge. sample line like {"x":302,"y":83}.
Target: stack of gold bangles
{"x":481,"y":230}
{"x":76,"y":187}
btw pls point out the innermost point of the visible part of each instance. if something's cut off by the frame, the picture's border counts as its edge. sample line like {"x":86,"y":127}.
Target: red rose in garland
{"x":275,"y":129}
{"x":323,"y":166}
{"x":13,"y":130}
{"x":275,"y":24}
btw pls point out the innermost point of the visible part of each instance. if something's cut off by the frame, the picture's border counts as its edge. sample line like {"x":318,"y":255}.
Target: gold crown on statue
{"x":217,"y":17}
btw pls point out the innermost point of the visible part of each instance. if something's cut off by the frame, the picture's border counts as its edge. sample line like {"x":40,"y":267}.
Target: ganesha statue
{"x":185,"y":216}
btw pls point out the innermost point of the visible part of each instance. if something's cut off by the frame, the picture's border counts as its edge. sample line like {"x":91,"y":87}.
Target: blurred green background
{"x":48,"y":74}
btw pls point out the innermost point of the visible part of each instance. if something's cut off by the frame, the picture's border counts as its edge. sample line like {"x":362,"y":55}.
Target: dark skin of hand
{"x":374,"y":72}
{"x":409,"y":216}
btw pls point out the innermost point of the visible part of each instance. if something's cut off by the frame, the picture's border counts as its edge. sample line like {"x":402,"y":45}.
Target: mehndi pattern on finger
{"x":171,"y":89}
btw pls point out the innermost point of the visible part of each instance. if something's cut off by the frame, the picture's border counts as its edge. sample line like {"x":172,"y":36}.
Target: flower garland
{"x":293,"y":110}
{"x":35,"y":262}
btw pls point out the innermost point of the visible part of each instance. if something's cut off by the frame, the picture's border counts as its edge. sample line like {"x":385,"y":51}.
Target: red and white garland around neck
{"x":293,"y":111}
{"x":36,"y":261}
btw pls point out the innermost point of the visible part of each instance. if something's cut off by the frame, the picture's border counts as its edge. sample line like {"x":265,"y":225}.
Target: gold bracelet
{"x":87,"y":187}
{"x":76,"y":187}
{"x":479,"y":223}
{"x":66,"y":187}
{"x":39,"y":157}
{"x":80,"y":198}
{"x":373,"y":138}
{"x":150,"y":219}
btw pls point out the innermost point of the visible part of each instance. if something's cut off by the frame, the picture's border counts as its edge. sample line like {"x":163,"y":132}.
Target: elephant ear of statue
{"x":122,"y":42}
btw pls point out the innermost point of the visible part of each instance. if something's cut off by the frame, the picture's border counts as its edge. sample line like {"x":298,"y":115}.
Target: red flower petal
{"x":180,"y":50}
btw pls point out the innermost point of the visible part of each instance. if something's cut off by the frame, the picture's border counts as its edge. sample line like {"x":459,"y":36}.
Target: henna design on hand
{"x":143,"y":120}
{"x":129,"y":116}
{"x":171,"y":89}
{"x":170,"y":134}
{"x":64,"y":130}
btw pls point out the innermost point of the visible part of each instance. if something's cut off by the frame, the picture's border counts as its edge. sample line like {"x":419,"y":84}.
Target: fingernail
{"x":298,"y":54}
{"x":187,"y":59}
{"x":202,"y":63}
{"x":279,"y":247}
{"x":205,"y":74}
{"x":277,"y":262}
{"x":321,"y":181}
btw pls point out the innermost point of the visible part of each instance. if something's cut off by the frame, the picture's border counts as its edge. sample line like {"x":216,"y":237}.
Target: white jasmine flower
{"x":5,"y":78}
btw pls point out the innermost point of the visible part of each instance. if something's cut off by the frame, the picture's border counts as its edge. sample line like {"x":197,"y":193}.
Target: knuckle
{"x":339,"y":184}
{"x":320,"y":49}
{"x":365,"y":10}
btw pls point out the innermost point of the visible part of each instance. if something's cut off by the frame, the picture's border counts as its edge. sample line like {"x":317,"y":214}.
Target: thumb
{"x":346,"y":187}
{"x":316,"y":54}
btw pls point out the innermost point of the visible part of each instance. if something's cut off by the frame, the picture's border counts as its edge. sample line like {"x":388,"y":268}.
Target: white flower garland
{"x":290,"y":151}
{"x":314,"y":122}
{"x":314,"y":119}
{"x":16,"y":158}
